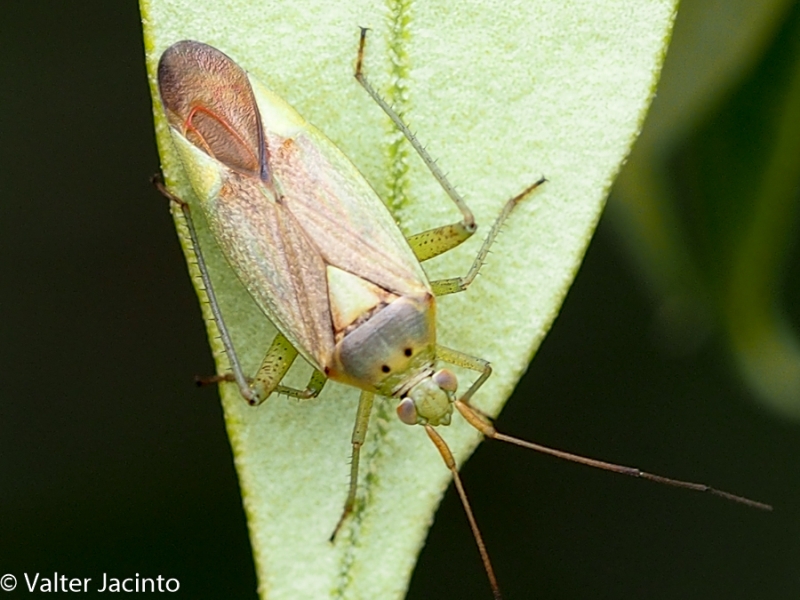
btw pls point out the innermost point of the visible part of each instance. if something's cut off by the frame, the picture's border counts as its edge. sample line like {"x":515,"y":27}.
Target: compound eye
{"x":407,"y":411}
{"x":446,"y":380}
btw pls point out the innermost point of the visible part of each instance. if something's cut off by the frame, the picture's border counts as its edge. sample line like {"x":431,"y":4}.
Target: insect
{"x":324,"y":259}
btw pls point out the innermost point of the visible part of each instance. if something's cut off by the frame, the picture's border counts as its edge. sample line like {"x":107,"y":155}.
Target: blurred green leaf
{"x":708,"y":201}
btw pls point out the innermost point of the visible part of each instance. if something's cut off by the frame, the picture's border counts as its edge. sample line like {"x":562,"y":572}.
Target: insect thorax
{"x":396,"y":344}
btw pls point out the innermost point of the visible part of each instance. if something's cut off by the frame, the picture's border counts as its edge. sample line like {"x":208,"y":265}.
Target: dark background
{"x":111,"y":461}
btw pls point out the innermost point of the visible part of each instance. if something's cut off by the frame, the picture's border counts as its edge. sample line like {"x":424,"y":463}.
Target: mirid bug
{"x":324,"y":259}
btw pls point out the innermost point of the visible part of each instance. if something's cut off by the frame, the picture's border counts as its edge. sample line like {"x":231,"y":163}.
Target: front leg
{"x":454,"y":357}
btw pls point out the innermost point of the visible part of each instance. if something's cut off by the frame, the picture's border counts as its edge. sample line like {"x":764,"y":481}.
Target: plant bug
{"x":324,"y":260}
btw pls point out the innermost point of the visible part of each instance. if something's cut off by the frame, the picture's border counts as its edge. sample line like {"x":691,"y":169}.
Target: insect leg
{"x":467,"y":224}
{"x":273,"y":369}
{"x":276,"y":364}
{"x":439,"y":240}
{"x":454,"y":357}
{"x":313,"y":388}
{"x":443,"y":287}
{"x":359,"y":435}
{"x":238,"y":374}
{"x":281,"y":353}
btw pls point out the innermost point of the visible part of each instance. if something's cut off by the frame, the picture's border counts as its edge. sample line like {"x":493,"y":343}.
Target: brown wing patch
{"x":208,"y":98}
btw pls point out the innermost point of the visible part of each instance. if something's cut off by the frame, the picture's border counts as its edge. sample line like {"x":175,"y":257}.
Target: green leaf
{"x":501,"y":93}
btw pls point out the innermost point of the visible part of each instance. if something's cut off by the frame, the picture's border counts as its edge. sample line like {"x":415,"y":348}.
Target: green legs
{"x":426,"y":245}
{"x":453,"y":285}
{"x":359,"y":435}
{"x":276,"y":363}
{"x":439,"y":240}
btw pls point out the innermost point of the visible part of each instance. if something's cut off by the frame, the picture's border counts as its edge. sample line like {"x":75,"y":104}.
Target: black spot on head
{"x":408,"y":352}
{"x":385,"y":368}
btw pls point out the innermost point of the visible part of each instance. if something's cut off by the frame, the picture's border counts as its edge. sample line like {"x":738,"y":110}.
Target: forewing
{"x":342,"y":214}
{"x":208,"y":99}
{"x":277,"y":263}
{"x":335,"y":205}
{"x":285,"y":203}
{"x":210,"y":104}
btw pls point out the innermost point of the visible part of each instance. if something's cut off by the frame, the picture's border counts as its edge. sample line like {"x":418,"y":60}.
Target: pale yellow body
{"x":301,"y":227}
